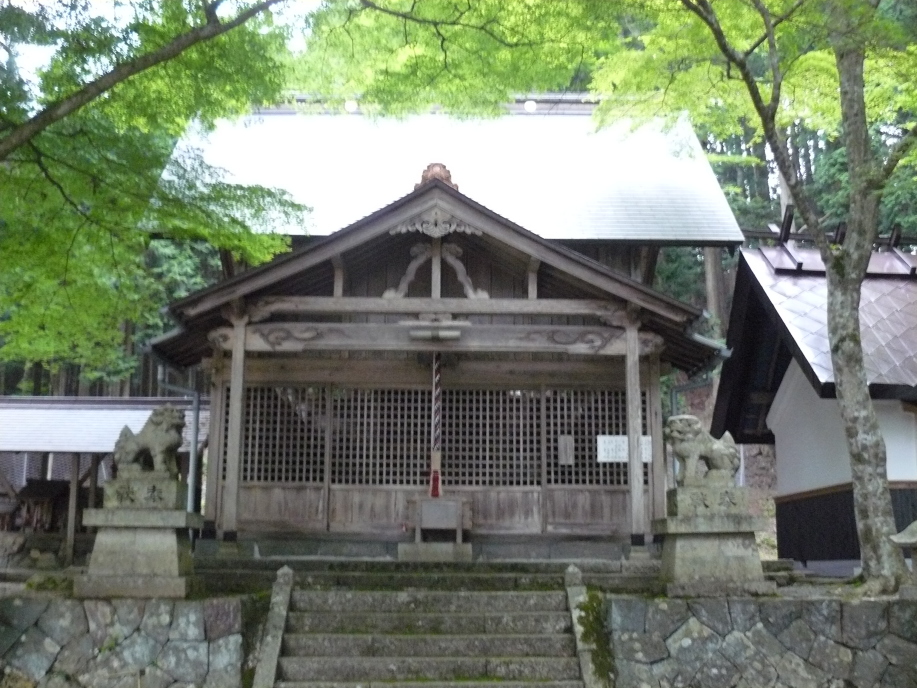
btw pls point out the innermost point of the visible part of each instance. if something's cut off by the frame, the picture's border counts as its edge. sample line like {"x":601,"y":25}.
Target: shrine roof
{"x":779,"y":313}
{"x":305,"y":271}
{"x":549,"y":171}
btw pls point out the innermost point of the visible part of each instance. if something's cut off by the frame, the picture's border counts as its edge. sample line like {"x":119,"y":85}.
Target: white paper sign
{"x":613,"y":448}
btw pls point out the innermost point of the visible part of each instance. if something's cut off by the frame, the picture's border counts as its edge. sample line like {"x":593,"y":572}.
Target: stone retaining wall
{"x":762,"y":642}
{"x":63,"y":643}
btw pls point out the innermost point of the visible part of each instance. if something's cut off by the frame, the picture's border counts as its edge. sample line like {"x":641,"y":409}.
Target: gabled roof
{"x":549,"y":171}
{"x":779,"y":312}
{"x":202,"y":311}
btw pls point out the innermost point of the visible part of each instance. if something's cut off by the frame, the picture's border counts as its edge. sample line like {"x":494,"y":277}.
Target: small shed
{"x":778,"y":388}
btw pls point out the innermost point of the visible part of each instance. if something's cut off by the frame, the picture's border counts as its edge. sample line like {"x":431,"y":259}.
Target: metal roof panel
{"x":554,"y":175}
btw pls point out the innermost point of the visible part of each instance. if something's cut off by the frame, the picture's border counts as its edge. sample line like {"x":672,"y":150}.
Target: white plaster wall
{"x":900,"y":431}
{"x":809,"y":437}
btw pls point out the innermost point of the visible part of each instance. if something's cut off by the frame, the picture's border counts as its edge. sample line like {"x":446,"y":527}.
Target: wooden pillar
{"x":329,"y":439}
{"x":657,"y":468}
{"x":212,"y":492}
{"x":94,"y":480}
{"x":716,"y":296}
{"x":230,"y":501}
{"x":543,"y":397}
{"x":634,"y":432}
{"x":534,"y":264}
{"x":338,"y":264}
{"x":71,"y":509}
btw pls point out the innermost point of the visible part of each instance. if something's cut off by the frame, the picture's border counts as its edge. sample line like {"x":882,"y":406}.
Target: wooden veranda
{"x":325,"y":414}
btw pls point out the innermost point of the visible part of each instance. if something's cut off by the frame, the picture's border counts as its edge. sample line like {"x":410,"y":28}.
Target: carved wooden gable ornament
{"x":288,"y":301}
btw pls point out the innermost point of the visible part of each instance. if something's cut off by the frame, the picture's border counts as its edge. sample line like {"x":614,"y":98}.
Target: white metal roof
{"x":81,"y":425}
{"x":553,"y":174}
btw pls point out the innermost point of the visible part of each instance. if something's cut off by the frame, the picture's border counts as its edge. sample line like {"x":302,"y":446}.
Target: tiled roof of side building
{"x":888,"y":318}
{"x":551,"y":173}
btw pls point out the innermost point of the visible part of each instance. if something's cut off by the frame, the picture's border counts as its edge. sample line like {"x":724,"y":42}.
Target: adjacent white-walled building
{"x":778,"y":388}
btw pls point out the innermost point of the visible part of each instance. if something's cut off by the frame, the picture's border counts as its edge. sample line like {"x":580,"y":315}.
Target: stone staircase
{"x":420,"y":637}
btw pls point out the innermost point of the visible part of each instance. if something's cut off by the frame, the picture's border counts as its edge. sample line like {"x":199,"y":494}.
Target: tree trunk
{"x":883,"y":562}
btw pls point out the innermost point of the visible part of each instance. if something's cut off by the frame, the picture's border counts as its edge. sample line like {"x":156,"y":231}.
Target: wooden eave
{"x":425,"y":198}
{"x":205,"y":310}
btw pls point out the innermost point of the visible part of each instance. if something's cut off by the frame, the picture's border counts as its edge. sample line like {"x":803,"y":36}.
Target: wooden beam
{"x":634,"y":432}
{"x":649,"y":255}
{"x":324,"y":305}
{"x":229,"y":520}
{"x":338,"y":263}
{"x":407,"y":372}
{"x":291,"y":337}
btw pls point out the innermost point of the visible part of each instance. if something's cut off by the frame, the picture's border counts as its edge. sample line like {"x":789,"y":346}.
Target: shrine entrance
{"x":323,"y":366}
{"x":527,"y":458}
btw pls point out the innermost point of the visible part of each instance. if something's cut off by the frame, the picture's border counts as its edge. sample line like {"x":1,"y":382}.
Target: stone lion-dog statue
{"x":692,"y":444}
{"x":155,"y":446}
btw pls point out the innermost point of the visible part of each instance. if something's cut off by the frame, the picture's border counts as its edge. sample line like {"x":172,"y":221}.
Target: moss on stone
{"x":592,"y":620}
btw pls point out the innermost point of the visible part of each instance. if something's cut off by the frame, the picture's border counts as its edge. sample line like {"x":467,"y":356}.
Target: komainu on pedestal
{"x":141,"y":548}
{"x":709,"y":548}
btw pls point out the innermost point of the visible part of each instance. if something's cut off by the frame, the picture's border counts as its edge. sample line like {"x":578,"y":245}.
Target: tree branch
{"x":776,"y":22}
{"x":56,"y":111}
{"x":904,"y":145}
{"x":772,"y":54}
{"x":40,"y":163}
{"x":437,"y":23}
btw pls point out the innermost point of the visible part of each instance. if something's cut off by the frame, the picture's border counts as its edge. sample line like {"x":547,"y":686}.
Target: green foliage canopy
{"x":81,"y":201}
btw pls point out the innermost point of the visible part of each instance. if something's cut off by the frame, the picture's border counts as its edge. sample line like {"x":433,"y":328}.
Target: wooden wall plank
{"x":325,"y":305}
{"x":414,"y":372}
{"x":286,"y":507}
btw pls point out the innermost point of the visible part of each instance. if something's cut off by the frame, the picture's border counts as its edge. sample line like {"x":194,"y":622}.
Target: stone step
{"x":551,"y":622}
{"x":225,"y":581}
{"x":304,"y":565}
{"x":429,"y":684}
{"x":366,"y":645}
{"x":459,"y":580}
{"x":428,"y":669}
{"x":425,"y":601}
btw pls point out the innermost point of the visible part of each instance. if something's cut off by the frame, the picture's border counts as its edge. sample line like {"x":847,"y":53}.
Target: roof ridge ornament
{"x":435,"y":223}
{"x":436,"y":170}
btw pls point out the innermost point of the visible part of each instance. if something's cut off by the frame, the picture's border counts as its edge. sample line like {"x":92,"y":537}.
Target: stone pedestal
{"x":709,"y":548}
{"x":141,"y":548}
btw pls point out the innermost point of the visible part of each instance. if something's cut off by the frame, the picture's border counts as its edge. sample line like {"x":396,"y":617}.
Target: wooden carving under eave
{"x":295,"y":336}
{"x":436,"y":170}
{"x":435,"y":223}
